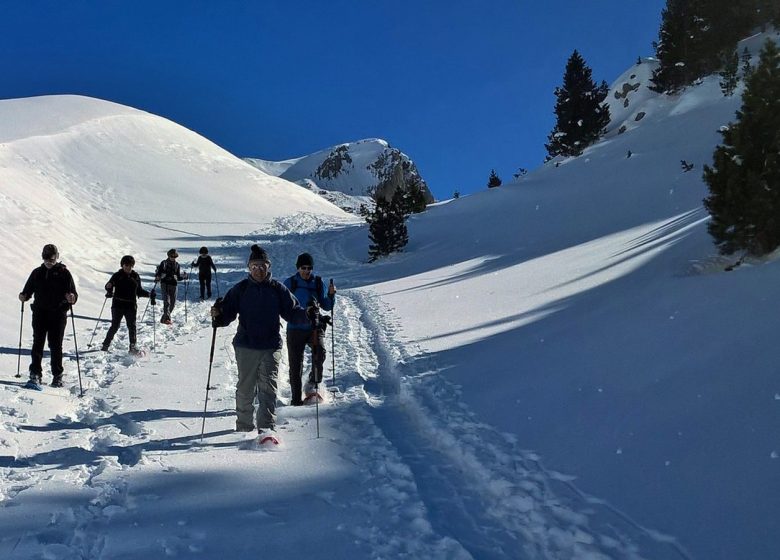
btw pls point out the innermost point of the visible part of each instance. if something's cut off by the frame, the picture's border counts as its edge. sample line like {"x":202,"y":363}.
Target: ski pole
{"x":208,"y":382}
{"x":89,"y":345}
{"x":19,"y":359}
{"x":154,"y":328}
{"x":76,"y":344}
{"x":147,"y":302}
{"x":186,"y":285}
{"x":333,"y":337}
{"x":317,"y":407}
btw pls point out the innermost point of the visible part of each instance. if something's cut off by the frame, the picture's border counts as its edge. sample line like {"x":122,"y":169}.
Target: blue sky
{"x":460,"y":86}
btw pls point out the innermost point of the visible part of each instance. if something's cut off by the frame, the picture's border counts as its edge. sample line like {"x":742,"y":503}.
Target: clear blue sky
{"x":460,"y":86}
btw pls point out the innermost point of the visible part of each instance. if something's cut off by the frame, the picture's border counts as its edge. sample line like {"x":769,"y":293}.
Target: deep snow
{"x":558,"y":368}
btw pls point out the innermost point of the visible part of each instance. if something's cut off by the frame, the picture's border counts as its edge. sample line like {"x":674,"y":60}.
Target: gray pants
{"x":257,"y":373}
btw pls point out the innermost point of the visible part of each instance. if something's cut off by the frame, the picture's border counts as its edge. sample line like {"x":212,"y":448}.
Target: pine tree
{"x":494,"y":180}
{"x":413,"y":198}
{"x":728,"y":76}
{"x":581,"y":115}
{"x":744,"y":181}
{"x":680,"y":43}
{"x":387,"y":227}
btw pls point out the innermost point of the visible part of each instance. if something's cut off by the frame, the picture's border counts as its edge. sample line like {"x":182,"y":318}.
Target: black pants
{"x":48,"y":324}
{"x":205,"y":285}
{"x":169,"y":299}
{"x":117,"y":314}
{"x":297,"y":340}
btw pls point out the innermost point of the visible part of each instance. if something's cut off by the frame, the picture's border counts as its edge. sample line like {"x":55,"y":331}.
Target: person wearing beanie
{"x":124,"y":287}
{"x":205,"y":265}
{"x":55,"y":292}
{"x":309,"y":290}
{"x":168,"y":274}
{"x":259,"y":301}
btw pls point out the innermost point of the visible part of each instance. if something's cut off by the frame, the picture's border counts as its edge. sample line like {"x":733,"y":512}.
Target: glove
{"x":152,"y":297}
{"x":23,"y":297}
{"x":109,"y":294}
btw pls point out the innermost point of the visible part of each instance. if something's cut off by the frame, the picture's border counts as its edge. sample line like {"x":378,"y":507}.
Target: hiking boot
{"x":36,"y":378}
{"x":57,"y":382}
{"x":104,"y":347}
{"x":296,"y":402}
{"x":134,"y":349}
{"x":244,"y":427}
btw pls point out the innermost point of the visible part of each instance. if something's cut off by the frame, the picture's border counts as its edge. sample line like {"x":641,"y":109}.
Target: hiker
{"x":309,"y":290}
{"x":258,"y":301}
{"x":124,"y":287}
{"x":54,"y":291}
{"x":205,"y":265}
{"x":168,"y":274}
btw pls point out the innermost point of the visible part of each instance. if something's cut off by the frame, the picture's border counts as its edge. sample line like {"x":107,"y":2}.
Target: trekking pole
{"x":19,"y":359}
{"x":216,"y":279}
{"x":317,"y":407}
{"x":154,"y":328}
{"x":147,"y":302}
{"x":89,"y":345}
{"x":333,"y":337}
{"x":208,"y":382}
{"x":186,"y":285}
{"x":76,"y":344}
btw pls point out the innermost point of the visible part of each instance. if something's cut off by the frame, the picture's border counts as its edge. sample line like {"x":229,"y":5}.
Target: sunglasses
{"x":306,"y":267}
{"x":259,"y":266}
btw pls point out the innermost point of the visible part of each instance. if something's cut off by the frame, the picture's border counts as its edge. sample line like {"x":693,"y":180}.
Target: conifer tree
{"x":744,"y":181}
{"x":728,"y":76}
{"x":494,"y":180}
{"x":387,"y":226}
{"x":581,"y":115}
{"x":680,"y":43}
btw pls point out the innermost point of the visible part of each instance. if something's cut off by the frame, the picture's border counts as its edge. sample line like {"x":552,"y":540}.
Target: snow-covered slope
{"x":102,"y":180}
{"x":355,"y":168}
{"x":558,"y":368}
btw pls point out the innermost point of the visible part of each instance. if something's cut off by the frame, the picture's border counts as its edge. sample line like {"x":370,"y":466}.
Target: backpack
{"x":318,"y":287}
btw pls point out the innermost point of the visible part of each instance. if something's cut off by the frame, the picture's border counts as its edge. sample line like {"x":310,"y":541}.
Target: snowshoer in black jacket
{"x":168,"y":274}
{"x":54,"y":291}
{"x":124,"y":287}
{"x":205,"y":265}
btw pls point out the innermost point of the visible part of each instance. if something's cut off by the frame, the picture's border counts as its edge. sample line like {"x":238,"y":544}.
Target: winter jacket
{"x":205,"y":265}
{"x":259,"y":305}
{"x":126,"y":288}
{"x":169,"y":272}
{"x":49,"y":286}
{"x":304,"y":293}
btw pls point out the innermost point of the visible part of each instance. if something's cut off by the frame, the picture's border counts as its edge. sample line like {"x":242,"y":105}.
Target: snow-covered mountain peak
{"x":357,"y":168}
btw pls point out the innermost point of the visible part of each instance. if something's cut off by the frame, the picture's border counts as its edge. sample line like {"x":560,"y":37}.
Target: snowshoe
{"x":34,"y":384}
{"x":267,"y":439}
{"x":313,"y":398}
{"x":56,"y":382}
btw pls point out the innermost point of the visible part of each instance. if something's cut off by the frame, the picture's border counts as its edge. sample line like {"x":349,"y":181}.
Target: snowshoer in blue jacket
{"x":309,"y":290}
{"x":259,"y":302}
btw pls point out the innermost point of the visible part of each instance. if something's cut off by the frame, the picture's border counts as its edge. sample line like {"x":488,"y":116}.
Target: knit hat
{"x":173,"y":253}
{"x":304,"y":259}
{"x":258,"y":254}
{"x":127,"y":259}
{"x":50,"y":252}
{"x":204,"y":251}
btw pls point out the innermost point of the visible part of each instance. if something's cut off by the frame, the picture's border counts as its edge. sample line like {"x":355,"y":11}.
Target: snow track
{"x":478,"y":486}
{"x":402,"y":467}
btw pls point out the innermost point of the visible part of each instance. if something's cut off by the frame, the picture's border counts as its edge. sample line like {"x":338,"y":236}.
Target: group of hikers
{"x":258,"y":301}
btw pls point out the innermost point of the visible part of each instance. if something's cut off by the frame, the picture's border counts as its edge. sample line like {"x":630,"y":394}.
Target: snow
{"x":557,"y":368}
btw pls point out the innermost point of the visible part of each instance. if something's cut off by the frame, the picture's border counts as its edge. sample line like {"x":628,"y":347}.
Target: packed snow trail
{"x":402,"y":469}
